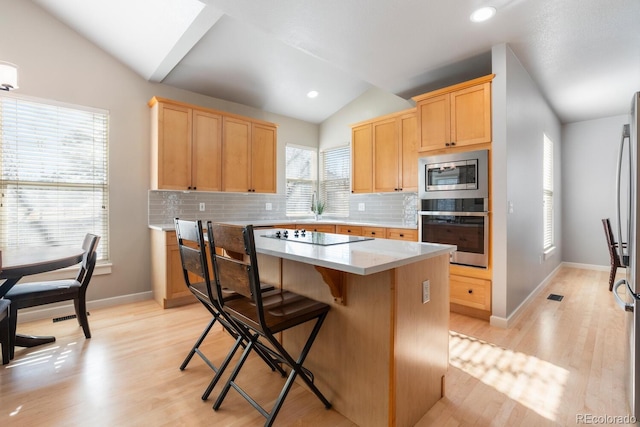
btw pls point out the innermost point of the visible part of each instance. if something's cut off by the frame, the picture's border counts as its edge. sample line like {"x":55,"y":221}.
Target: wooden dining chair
{"x":261,"y":315}
{"x":4,"y":330}
{"x":40,"y":293}
{"x":197,"y":277}
{"x":614,"y":256}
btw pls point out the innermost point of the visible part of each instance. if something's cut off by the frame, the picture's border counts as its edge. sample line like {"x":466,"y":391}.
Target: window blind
{"x":547,"y":187}
{"x":302,"y":176}
{"x":53,"y":174}
{"x":335,"y":181}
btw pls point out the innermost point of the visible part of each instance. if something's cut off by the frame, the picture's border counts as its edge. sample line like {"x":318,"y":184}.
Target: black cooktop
{"x":314,"y":237}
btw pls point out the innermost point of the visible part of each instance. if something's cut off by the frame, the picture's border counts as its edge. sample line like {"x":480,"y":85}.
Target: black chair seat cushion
{"x":282,"y":310}
{"x":4,"y":305}
{"x":47,"y":291}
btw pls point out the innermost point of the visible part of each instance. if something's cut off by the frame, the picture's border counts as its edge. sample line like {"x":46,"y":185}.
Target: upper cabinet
{"x":185,"y":148}
{"x":195,"y":148}
{"x":455,"y":116}
{"x":385,"y":155}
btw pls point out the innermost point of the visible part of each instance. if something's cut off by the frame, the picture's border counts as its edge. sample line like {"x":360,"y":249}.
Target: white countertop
{"x":361,"y":257}
{"x":305,"y":221}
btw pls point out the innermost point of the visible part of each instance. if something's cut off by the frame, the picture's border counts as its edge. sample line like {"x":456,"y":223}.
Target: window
{"x":334,"y":183}
{"x":547,"y":188}
{"x":302,"y":176}
{"x":53,"y":174}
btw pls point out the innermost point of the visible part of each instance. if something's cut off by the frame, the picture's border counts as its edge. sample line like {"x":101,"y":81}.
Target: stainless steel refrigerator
{"x":628,"y":230}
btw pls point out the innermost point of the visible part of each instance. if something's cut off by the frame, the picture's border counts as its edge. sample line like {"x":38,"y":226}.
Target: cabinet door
{"x":206,"y":170}
{"x":434,"y":122}
{"x":385,"y":156}
{"x":471,"y":291}
{"x":471,"y":115}
{"x":402,"y":234}
{"x":263,"y":158}
{"x":236,"y":150}
{"x":377,"y":232}
{"x":174,"y":147}
{"x":408,"y":180}
{"x":355,"y":230}
{"x":176,"y":287}
{"x":361,"y":159}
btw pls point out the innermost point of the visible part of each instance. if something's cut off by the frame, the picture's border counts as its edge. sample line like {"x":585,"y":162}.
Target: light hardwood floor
{"x":559,"y":360}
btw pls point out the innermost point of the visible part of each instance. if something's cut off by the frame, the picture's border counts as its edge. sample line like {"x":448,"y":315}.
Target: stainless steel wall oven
{"x":454,"y":191}
{"x":460,"y":222}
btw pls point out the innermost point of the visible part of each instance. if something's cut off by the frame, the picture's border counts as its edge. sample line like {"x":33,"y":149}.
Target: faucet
{"x":314,"y":204}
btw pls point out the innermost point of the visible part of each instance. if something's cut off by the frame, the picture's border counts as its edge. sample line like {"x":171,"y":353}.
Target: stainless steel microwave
{"x":456,"y":175}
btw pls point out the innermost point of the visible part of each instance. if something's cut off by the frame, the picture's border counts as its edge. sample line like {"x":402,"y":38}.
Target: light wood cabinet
{"x":169,"y":288}
{"x":410,"y":234}
{"x":248,"y":156}
{"x":186,"y":147}
{"x":376,"y":232}
{"x":263,"y":158}
{"x":455,"y":116}
{"x":471,"y":292}
{"x":385,"y":154}
{"x":355,"y":230}
{"x":361,"y":159}
{"x":320,"y":228}
{"x":201,"y":149}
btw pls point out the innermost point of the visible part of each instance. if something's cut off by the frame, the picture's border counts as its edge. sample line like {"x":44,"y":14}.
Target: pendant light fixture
{"x":8,"y":76}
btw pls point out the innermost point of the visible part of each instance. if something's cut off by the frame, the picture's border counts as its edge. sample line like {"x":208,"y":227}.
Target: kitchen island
{"x":382,"y":353}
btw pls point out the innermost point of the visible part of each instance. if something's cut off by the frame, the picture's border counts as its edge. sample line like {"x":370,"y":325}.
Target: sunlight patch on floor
{"x":534,"y":383}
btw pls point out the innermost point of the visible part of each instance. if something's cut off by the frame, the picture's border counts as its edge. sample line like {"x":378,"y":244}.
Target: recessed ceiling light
{"x":312,"y":94}
{"x":483,"y":14}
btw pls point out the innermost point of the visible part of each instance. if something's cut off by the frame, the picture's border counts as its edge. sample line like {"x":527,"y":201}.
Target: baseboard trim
{"x":586,"y":266}
{"x":506,"y":323}
{"x":51,"y":311}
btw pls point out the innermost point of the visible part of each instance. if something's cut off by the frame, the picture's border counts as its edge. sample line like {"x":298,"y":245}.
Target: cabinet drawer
{"x":349,"y":229}
{"x":471,"y":291}
{"x":402,"y":234}
{"x":379,"y":232}
{"x":320,"y":228}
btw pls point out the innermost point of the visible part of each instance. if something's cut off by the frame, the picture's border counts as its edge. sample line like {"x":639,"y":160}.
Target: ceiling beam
{"x":205,"y":20}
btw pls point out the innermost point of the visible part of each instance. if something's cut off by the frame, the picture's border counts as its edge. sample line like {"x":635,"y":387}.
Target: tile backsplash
{"x":166,"y":205}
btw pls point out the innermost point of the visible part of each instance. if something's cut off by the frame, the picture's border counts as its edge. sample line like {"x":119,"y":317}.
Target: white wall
{"x":521,"y":118}
{"x":56,"y":63}
{"x":336,"y":130}
{"x":589,"y":159}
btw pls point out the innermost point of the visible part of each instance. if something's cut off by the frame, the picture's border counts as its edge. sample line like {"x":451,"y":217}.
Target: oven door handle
{"x":446,"y":213}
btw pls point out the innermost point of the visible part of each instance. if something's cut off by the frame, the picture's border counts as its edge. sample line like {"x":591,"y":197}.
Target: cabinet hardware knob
{"x":453,"y":143}
{"x":470,"y":291}
{"x":402,"y":235}
{"x":447,"y":144}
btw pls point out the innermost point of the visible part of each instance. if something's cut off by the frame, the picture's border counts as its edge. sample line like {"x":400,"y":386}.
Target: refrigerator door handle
{"x":623,"y":305}
{"x":625,"y":135}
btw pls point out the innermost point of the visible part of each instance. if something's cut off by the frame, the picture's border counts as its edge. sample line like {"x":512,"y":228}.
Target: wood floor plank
{"x":558,"y":360}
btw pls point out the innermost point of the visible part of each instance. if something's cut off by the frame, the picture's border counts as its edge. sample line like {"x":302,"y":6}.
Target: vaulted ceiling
{"x":583,"y":54}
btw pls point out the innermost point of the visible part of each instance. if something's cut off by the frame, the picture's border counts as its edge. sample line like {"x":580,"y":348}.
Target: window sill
{"x":548,"y":253}
{"x":103,"y":267}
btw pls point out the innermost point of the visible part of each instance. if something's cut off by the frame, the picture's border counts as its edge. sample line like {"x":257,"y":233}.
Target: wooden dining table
{"x":20,"y":262}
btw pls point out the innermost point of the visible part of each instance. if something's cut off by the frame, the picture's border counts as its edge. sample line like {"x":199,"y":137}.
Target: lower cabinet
{"x":410,"y":234}
{"x":354,"y":230}
{"x":320,"y":228}
{"x":471,"y":292}
{"x":169,"y":288}
{"x":379,"y":232}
